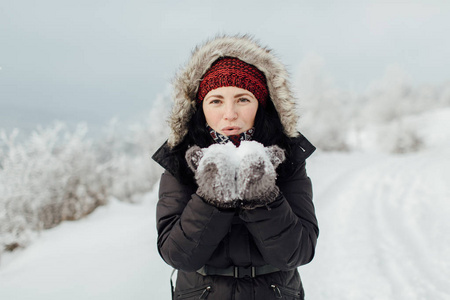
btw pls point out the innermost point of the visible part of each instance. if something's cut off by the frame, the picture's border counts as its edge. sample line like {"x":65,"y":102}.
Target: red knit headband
{"x":230,"y":71}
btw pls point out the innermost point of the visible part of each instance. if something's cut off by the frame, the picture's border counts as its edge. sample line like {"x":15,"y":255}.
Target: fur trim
{"x":246,"y":49}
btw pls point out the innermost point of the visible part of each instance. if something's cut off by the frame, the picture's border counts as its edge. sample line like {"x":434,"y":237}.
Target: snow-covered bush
{"x":322,"y":118}
{"x":59,"y":174}
{"x":125,"y":155}
{"x":49,"y":178}
{"x":396,"y":136}
{"x":336,"y":119}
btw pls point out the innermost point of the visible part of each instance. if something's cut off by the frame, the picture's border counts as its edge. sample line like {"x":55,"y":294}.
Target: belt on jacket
{"x":237,"y":272}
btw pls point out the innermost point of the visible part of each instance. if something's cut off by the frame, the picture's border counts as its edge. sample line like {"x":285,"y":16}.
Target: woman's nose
{"x":230,"y":112}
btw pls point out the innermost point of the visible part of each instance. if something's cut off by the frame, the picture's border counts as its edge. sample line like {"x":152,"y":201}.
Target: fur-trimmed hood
{"x":186,"y":82}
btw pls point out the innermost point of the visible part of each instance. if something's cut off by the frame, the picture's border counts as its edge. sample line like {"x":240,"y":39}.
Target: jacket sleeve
{"x":286,"y":232}
{"x":189,"y":230}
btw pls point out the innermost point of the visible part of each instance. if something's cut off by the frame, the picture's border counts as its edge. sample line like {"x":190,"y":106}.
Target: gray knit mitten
{"x":256,"y":174}
{"x":215,"y":175}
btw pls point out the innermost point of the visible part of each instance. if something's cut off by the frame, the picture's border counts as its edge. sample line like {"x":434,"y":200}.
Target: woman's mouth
{"x":231,"y":130}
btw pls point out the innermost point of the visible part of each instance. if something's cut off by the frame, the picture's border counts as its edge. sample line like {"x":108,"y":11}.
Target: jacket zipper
{"x":276,"y":290}
{"x":279,"y":291}
{"x":203,"y":292}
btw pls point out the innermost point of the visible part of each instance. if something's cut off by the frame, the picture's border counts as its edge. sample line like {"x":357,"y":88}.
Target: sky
{"x":90,"y":61}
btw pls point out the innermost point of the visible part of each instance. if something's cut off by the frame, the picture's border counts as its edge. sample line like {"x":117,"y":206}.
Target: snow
{"x":384,"y":226}
{"x":430,"y":130}
{"x":235,"y":154}
{"x":111,"y":254}
{"x":384,"y":235}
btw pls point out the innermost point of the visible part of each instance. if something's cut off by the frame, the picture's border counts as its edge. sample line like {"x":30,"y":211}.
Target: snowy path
{"x":384,"y":235}
{"x":384,"y":227}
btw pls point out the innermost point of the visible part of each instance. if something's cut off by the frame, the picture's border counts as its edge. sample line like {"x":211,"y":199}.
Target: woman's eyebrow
{"x":242,"y":94}
{"x":215,"y":96}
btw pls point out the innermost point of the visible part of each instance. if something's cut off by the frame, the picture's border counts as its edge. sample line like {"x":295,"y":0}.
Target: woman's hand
{"x":256,"y":175}
{"x":229,"y":177}
{"x":215,"y":174}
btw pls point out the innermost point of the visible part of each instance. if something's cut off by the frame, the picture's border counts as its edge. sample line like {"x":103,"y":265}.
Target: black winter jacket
{"x":192,"y":233}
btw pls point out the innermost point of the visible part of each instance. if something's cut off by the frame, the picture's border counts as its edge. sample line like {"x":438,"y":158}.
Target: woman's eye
{"x":215,"y":101}
{"x":243,"y":100}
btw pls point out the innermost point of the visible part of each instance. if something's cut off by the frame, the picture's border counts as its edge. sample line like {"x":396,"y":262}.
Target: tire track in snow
{"x":384,"y":228}
{"x":407,"y":196}
{"x":344,"y":263}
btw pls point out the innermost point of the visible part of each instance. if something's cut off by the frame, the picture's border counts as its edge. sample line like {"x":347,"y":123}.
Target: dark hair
{"x":269,"y":131}
{"x":198,"y":134}
{"x":268,"y":128}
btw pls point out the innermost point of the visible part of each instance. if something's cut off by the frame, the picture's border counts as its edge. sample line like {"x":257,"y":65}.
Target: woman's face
{"x":230,"y":110}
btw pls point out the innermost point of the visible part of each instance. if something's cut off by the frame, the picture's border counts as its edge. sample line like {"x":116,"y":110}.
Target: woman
{"x":235,"y":230}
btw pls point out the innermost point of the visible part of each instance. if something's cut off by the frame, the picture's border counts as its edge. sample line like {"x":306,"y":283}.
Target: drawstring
{"x":172,"y":288}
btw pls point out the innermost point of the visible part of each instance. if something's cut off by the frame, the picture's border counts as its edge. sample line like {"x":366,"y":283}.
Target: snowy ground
{"x":385,"y":227}
{"x":384,"y":223}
